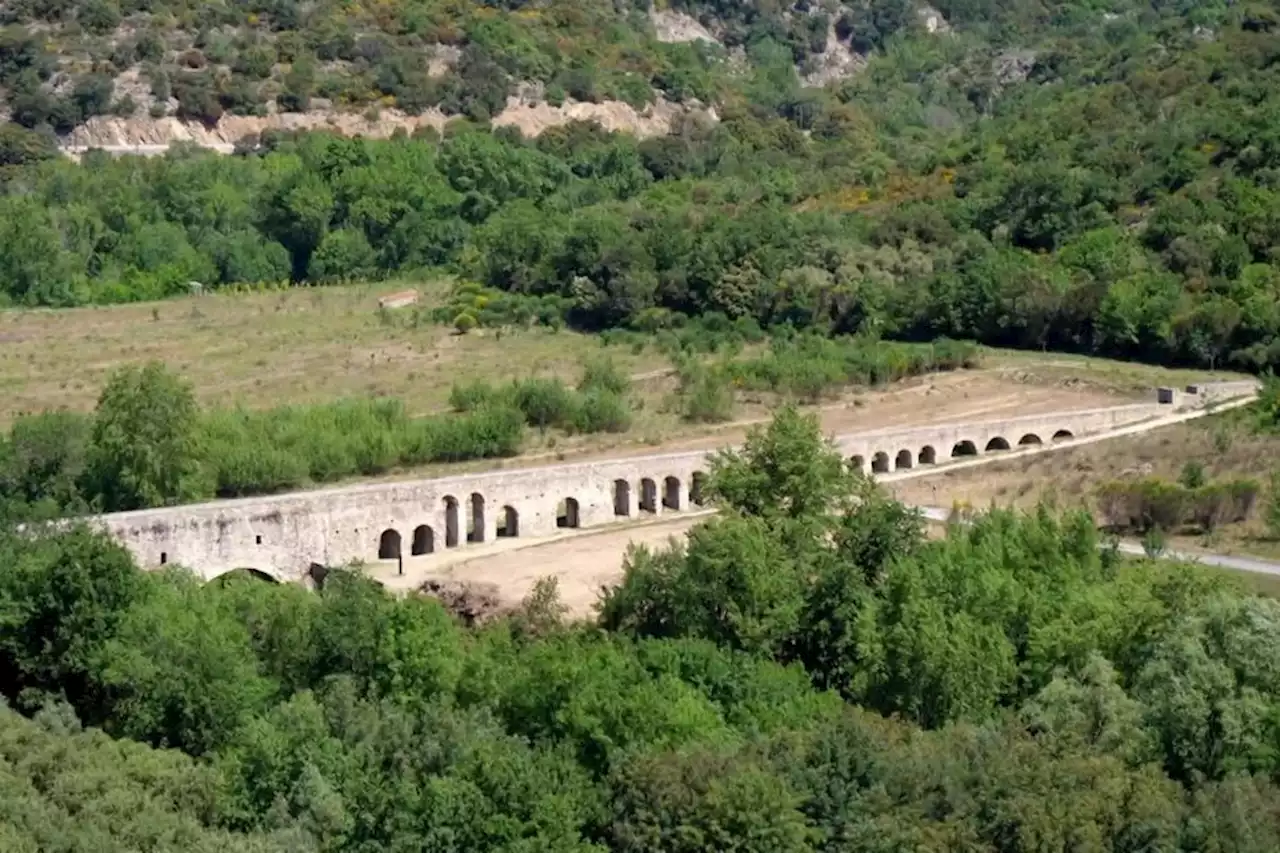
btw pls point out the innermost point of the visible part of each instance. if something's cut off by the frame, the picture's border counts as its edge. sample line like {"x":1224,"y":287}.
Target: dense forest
{"x":1039,"y":176}
{"x":808,"y":672}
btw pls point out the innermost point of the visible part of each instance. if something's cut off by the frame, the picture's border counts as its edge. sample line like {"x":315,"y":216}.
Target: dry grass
{"x":1223,"y":444}
{"x":1107,"y":375}
{"x":266,"y":349}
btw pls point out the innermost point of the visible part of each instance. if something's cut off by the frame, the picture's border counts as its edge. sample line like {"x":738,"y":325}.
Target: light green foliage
{"x":143,"y":449}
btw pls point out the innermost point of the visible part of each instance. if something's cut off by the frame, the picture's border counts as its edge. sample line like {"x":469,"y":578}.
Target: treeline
{"x":807,"y":673}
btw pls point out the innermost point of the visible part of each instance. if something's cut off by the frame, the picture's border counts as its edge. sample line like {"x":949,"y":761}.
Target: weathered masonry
{"x":282,"y":536}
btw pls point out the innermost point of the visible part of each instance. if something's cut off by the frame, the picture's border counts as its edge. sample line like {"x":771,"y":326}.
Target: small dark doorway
{"x":964,"y":448}
{"x":508,"y":523}
{"x":648,"y":495}
{"x":475,"y":519}
{"x":450,"y":521}
{"x":424,"y":540}
{"x":389,"y":545}
{"x":903,"y":460}
{"x":567,"y":513}
{"x":928,"y":456}
{"x":997,"y":443}
{"x":671,"y":493}
{"x":1062,"y":435}
{"x":880,"y":463}
{"x":1029,"y":439}
{"x":621,"y":498}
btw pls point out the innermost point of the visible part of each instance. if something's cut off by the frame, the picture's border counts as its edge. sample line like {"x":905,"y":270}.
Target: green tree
{"x":143,"y":449}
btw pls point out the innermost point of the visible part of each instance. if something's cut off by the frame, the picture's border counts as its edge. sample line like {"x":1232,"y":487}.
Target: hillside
{"x":62,"y":64}
{"x":1049,"y":177}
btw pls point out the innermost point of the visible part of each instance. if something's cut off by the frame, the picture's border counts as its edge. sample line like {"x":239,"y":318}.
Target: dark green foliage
{"x":1152,"y":503}
{"x":1037,"y":692}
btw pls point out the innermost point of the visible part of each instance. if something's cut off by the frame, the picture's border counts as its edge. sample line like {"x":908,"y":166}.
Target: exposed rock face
{"x":932,"y":19}
{"x":673,"y":27}
{"x":837,"y":62}
{"x":145,"y":134}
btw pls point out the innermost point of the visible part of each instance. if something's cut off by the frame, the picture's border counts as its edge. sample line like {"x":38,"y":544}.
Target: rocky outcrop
{"x":674,"y":27}
{"x":147,"y":135}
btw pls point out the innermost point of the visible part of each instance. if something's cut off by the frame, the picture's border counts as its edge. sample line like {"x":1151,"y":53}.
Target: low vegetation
{"x":757,"y":688}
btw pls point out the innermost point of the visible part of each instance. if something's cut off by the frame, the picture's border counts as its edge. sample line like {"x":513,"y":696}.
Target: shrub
{"x":602,"y":411}
{"x":464,"y":322}
{"x":602,"y":374}
{"x":705,"y":395}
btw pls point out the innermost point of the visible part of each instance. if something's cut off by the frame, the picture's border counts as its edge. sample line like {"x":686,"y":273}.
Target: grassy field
{"x":266,"y":349}
{"x":1102,"y":374}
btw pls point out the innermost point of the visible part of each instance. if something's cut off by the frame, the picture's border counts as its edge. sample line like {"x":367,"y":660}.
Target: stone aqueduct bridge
{"x":282,"y":536}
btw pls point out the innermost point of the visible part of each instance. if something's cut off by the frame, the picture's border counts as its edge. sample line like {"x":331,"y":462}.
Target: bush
{"x":706,"y":395}
{"x":1152,"y":503}
{"x":601,"y":411}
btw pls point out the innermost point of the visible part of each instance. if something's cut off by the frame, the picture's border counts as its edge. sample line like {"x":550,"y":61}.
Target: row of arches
{"x":653,"y":494}
{"x":882,"y":463}
{"x":671,"y":495}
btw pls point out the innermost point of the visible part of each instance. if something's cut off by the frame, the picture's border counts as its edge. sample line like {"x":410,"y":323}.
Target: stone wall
{"x":283,"y":535}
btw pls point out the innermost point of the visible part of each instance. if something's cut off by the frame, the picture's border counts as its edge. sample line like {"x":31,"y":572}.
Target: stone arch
{"x":567,"y":514}
{"x":648,"y":495}
{"x":1062,"y":435}
{"x":389,"y":544}
{"x":508,"y":523}
{"x":257,"y":575}
{"x":475,"y":518}
{"x":928,"y":456}
{"x":621,"y":498}
{"x":880,"y":463}
{"x":903,"y":460}
{"x":671,"y":493}
{"x":964,"y":448}
{"x":858,"y":463}
{"x":997,"y":443}
{"x":424,"y":540}
{"x":697,"y":486}
{"x":450,"y":521}
{"x":1029,"y":439}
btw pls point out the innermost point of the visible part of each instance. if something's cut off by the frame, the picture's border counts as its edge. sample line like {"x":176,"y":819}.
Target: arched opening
{"x":965,"y":448}
{"x":903,"y":461}
{"x":424,"y":541}
{"x":246,"y":574}
{"x":621,"y":498}
{"x":475,"y":519}
{"x":1062,"y":435}
{"x":858,"y":464}
{"x":997,"y":443}
{"x":450,"y":521}
{"x":880,"y":463}
{"x":671,"y":493}
{"x":567,"y":513}
{"x":928,"y":456}
{"x":648,"y":495}
{"x":699,"y":482}
{"x":508,"y":522}
{"x":164,"y":557}
{"x":1029,"y":439}
{"x":389,"y":545}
